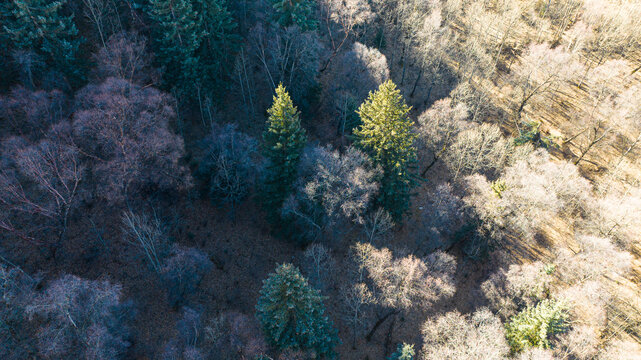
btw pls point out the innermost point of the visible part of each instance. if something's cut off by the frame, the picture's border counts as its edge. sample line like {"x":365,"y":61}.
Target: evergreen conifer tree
{"x":194,"y":40}
{"x":534,"y":326}
{"x":220,"y":41}
{"x":403,"y":352}
{"x":40,"y":26}
{"x":284,"y":140}
{"x":295,"y":12}
{"x":5,"y":50}
{"x":386,"y":135}
{"x":177,"y":37}
{"x":292,"y":313}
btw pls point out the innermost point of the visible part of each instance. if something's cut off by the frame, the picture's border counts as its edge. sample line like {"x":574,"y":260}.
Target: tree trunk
{"x":378,"y":323}
{"x":418,"y":78}
{"x":388,"y":337}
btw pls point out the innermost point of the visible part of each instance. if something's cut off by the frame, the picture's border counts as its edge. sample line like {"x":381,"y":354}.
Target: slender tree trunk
{"x":418,"y":78}
{"x":378,"y":323}
{"x":388,"y":337}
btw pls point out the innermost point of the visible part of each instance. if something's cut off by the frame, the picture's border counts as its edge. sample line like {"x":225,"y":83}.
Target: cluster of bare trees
{"x":70,"y":317}
{"x":389,"y":285}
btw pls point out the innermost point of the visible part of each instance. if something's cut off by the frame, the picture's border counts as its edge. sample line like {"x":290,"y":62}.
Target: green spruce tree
{"x":40,"y":26}
{"x":535,"y":326}
{"x":221,"y":39}
{"x":194,"y":42}
{"x":296,"y":12}
{"x":5,"y":49}
{"x":403,"y":352}
{"x":177,"y":35}
{"x":284,"y":140}
{"x":292,"y":313}
{"x":386,"y":134}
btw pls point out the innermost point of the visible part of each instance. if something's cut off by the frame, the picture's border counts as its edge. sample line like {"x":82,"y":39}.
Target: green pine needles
{"x":284,"y":140}
{"x":295,"y":12}
{"x":386,"y":134}
{"x":39,"y":26}
{"x":534,"y":326}
{"x":403,"y":352}
{"x":177,"y":36}
{"x":192,"y":39}
{"x":292,"y":314}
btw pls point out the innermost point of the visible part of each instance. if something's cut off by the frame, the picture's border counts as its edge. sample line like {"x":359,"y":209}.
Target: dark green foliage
{"x":531,"y":133}
{"x":284,"y":140}
{"x":192,"y":40}
{"x":292,"y":313}
{"x":296,"y":12}
{"x":40,"y":26}
{"x":535,"y":326}
{"x":177,"y":36}
{"x":386,"y":135}
{"x":220,"y":39}
{"x":403,"y":352}
{"x":5,"y":68}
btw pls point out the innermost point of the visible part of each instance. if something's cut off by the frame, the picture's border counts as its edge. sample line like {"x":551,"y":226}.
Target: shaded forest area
{"x":320,"y":179}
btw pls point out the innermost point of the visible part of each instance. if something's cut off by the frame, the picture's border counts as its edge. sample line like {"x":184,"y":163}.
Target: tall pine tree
{"x":220,"y":41}
{"x":296,"y":12}
{"x":5,"y":14}
{"x":40,"y":26}
{"x":292,"y":313}
{"x":177,"y":36}
{"x":193,"y":40}
{"x":386,"y":135}
{"x":284,"y":140}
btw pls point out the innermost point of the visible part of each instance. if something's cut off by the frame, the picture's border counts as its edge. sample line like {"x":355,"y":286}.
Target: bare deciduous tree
{"x":103,"y":14}
{"x":288,"y":56}
{"x":530,"y":190}
{"x":124,"y":128}
{"x":594,"y":257}
{"x":125,"y":56}
{"x":81,"y":319}
{"x":442,"y":215}
{"x":356,"y":298}
{"x":481,"y":149}
{"x":613,"y":29}
{"x":319,"y":264}
{"x":17,"y":291}
{"x":438,"y":128}
{"x":334,"y":191}
{"x":350,"y":16}
{"x":405,"y":283}
{"x":541,"y":71}
{"x":42,"y":179}
{"x":520,"y":286}
{"x":617,"y":215}
{"x":377,"y":224}
{"x":230,"y":163}
{"x":182,"y":272}
{"x":31,"y":113}
{"x":351,"y":77}
{"x":460,"y":337}
{"x":147,"y":233}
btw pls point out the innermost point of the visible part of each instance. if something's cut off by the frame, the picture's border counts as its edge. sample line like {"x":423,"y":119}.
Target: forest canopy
{"x":320,"y":179}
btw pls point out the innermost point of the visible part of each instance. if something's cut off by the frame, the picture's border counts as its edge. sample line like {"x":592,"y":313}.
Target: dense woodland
{"x":320,"y":179}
